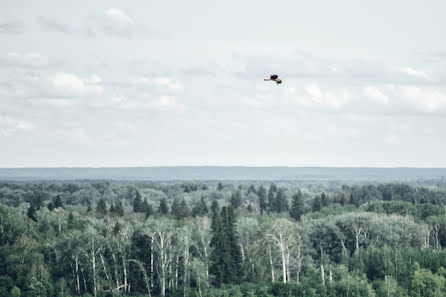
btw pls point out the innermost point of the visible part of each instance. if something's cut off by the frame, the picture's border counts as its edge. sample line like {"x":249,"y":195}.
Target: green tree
{"x":137,"y":203}
{"x":101,"y":208}
{"x":163,"y":208}
{"x":262,"y":199}
{"x":236,"y":199}
{"x":317,"y":205}
{"x":297,"y":207}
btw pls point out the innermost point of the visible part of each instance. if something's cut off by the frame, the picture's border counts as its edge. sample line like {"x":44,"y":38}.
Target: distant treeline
{"x":202,"y":240}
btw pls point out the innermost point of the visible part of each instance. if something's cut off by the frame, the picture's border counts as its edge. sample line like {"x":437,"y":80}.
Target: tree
{"x":58,"y":202}
{"x":297,"y":207}
{"x":281,"y":202}
{"x":184,"y":210}
{"x":163,"y":208}
{"x":324,"y":199}
{"x":262,"y":199}
{"x":236,"y":199}
{"x":137,"y":203}
{"x":32,"y":213}
{"x":175,"y":209}
{"x":220,"y":187}
{"x":200,"y":208}
{"x":225,"y":249}
{"x":214,"y":206}
{"x":251,"y":189}
{"x":119,"y":209}
{"x":317,"y":205}
{"x":101,"y":207}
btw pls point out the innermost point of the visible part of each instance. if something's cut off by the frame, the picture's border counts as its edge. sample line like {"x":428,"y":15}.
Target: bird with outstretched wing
{"x":275,"y":78}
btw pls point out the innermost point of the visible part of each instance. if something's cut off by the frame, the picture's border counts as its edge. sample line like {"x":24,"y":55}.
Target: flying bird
{"x":275,"y":78}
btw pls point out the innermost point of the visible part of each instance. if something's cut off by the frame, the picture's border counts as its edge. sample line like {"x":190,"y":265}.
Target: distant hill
{"x":222,"y":173}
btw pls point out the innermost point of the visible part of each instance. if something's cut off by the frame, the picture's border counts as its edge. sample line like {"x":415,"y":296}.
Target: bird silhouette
{"x":275,"y":78}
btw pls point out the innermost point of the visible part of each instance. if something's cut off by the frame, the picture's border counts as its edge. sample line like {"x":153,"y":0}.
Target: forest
{"x":221,"y":239}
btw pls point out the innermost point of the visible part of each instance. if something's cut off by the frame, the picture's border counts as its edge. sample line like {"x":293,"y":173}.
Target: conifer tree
{"x":101,"y":207}
{"x":214,"y":206}
{"x":281,"y":202}
{"x":324,"y":199}
{"x":119,"y":209}
{"x":220,"y":187}
{"x":175,"y":209}
{"x":137,"y":203}
{"x":32,"y":213}
{"x":317,"y":205}
{"x":262,"y":199}
{"x":163,"y":208}
{"x":58,"y":202}
{"x":297,"y":207}
{"x":271,"y":199}
{"x":236,"y":199}
{"x":251,"y":189}
{"x":184,"y":210}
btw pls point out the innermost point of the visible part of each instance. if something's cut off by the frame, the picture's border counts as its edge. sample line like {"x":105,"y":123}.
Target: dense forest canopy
{"x":104,"y":238}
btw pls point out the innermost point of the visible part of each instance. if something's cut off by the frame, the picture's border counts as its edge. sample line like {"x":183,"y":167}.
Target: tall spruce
{"x":225,"y":256}
{"x":297,"y":207}
{"x":281,"y":201}
{"x":262,"y":199}
{"x":163,"y":208}
{"x":101,"y":207}
{"x":236,"y":199}
{"x":317,"y":204}
{"x":137,"y":203}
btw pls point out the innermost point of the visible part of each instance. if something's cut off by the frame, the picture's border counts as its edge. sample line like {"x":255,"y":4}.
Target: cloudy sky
{"x":150,"y":83}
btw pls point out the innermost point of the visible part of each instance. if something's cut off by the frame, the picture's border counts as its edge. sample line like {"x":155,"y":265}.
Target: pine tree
{"x":112,"y":209}
{"x":32,"y":213}
{"x":262,"y":199}
{"x":225,"y":255}
{"x":175,"y":209}
{"x":58,"y":202}
{"x":281,"y":201}
{"x":184,"y":210}
{"x":220,"y":187}
{"x":50,"y":206}
{"x":101,"y":207}
{"x":216,"y":267}
{"x":137,"y":203}
{"x":117,"y":228}
{"x":119,"y":209}
{"x":317,"y":205}
{"x":236,"y":199}
{"x":149,"y":211}
{"x":324,"y":199}
{"x":251,"y":189}
{"x":297,"y":207}
{"x":233,"y":257}
{"x":271,"y":199}
{"x":38,"y":203}
{"x":214,"y":206}
{"x":163,"y":208}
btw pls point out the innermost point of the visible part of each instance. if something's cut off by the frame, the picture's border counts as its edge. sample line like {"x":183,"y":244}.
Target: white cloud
{"x":375,"y":94}
{"x":118,"y":16}
{"x":415,"y":73}
{"x":426,"y":99}
{"x":71,"y":85}
{"x":163,"y":82}
{"x":24,"y":60}
{"x":8,"y":126}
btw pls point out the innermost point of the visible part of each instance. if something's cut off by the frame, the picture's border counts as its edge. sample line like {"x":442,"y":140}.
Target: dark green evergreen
{"x":297,"y":206}
{"x":163,"y":208}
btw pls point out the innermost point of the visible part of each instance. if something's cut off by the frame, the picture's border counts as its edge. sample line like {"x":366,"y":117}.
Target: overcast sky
{"x":153,"y":83}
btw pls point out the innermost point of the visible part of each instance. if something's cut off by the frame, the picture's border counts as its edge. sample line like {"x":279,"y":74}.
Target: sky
{"x":171,"y":83}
